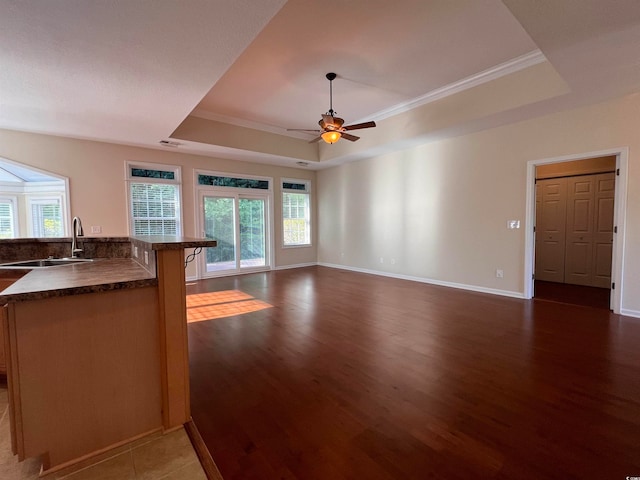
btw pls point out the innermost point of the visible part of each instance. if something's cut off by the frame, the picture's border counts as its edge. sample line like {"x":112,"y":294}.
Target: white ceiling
{"x":383,"y":57}
{"x":130,"y":72}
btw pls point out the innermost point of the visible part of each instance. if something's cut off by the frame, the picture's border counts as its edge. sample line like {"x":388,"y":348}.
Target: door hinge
{"x":533,"y":276}
{"x":617,"y":172}
{"x":534,"y":229}
{"x":613,"y":286}
{"x":615,"y":229}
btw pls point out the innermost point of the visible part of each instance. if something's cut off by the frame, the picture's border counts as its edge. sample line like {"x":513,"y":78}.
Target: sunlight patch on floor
{"x":226,"y":303}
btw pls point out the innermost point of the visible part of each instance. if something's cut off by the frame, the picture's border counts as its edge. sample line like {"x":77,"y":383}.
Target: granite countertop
{"x":169,"y":242}
{"x":17,"y":241}
{"x":101,"y":274}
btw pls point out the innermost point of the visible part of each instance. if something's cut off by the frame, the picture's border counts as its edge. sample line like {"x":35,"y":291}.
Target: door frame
{"x":202,"y":190}
{"x":619,"y":215}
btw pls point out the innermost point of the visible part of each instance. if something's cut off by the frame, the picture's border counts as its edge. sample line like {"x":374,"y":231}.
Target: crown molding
{"x":511,"y":66}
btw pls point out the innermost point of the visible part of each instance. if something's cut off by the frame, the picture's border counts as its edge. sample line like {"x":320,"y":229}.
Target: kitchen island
{"x":96,"y":351}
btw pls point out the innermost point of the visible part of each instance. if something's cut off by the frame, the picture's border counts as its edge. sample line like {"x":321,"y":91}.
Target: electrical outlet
{"x":393,"y":261}
{"x":381,"y":259}
{"x":499,"y":273}
{"x":146,"y":257}
{"x":135,"y":251}
{"x":96,"y":229}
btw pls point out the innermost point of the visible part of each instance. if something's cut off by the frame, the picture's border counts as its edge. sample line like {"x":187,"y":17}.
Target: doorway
{"x":574,"y":231}
{"x":572,"y":248}
{"x":239,"y":223}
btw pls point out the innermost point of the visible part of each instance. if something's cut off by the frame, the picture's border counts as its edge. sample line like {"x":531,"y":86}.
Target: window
{"x":296,"y":216}
{"x":33,"y":203}
{"x":154,"y":196}
{"x":7,"y":218}
{"x":220,"y":181}
{"x":46,"y":217}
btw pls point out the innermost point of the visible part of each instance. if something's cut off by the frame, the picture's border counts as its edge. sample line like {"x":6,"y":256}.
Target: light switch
{"x":513,"y":224}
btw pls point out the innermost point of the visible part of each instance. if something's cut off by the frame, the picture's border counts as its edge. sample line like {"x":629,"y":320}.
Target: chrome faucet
{"x":77,"y":232}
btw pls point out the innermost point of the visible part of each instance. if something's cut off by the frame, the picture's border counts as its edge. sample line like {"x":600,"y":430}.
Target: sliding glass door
{"x":239,"y":224}
{"x":253,"y":232}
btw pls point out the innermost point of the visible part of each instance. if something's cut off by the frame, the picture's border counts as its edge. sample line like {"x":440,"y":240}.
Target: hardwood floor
{"x":574,"y":294}
{"x":341,"y":375}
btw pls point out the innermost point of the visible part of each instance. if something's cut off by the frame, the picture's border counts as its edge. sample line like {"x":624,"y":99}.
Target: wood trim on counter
{"x":174,"y":353}
{"x":13,"y":388}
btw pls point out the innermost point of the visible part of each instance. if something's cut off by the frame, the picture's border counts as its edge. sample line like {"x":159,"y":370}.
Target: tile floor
{"x":159,"y":457}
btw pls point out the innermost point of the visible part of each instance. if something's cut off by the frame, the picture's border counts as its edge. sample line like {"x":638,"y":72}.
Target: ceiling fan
{"x":332,"y":127}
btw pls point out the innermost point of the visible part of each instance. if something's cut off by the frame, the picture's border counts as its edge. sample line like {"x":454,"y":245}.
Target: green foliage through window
{"x":219,"y":215}
{"x":294,"y":186}
{"x":47,"y":219}
{"x":151,"y":173}
{"x":216,"y":181}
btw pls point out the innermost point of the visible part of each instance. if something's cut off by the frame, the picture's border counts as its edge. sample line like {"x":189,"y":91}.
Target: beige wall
{"x":438,"y":212}
{"x":435,"y":212}
{"x":98,"y":191}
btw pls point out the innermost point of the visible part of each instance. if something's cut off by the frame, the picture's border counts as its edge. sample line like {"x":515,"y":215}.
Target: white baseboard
{"x":461,"y":286}
{"x":630,"y":313}
{"x":297,"y":265}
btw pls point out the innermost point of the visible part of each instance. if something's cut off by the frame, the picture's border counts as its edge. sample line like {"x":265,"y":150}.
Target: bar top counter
{"x":100,"y":274}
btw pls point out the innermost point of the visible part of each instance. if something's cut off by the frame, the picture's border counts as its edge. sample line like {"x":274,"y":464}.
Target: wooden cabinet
{"x":88,"y":372}
{"x":84,"y":373}
{"x":7,"y":278}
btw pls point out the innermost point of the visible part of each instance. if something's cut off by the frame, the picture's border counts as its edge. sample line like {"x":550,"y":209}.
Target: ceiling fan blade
{"x":315,"y":140}
{"x":303,"y":130}
{"x":358,"y":126}
{"x":348,"y":136}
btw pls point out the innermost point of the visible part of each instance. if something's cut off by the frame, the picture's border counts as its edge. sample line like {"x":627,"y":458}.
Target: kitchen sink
{"x":47,"y":262}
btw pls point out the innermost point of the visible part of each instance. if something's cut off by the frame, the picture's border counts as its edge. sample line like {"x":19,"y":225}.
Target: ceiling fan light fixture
{"x":331,"y":136}
{"x":332,"y":128}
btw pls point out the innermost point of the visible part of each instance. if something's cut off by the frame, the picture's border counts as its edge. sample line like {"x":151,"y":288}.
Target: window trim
{"x":177,"y":181}
{"x":306,"y":191}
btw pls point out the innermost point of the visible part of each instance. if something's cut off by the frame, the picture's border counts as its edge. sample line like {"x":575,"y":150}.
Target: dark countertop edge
{"x":158,"y":242}
{"x":66,"y":240}
{"x":63,"y":292}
